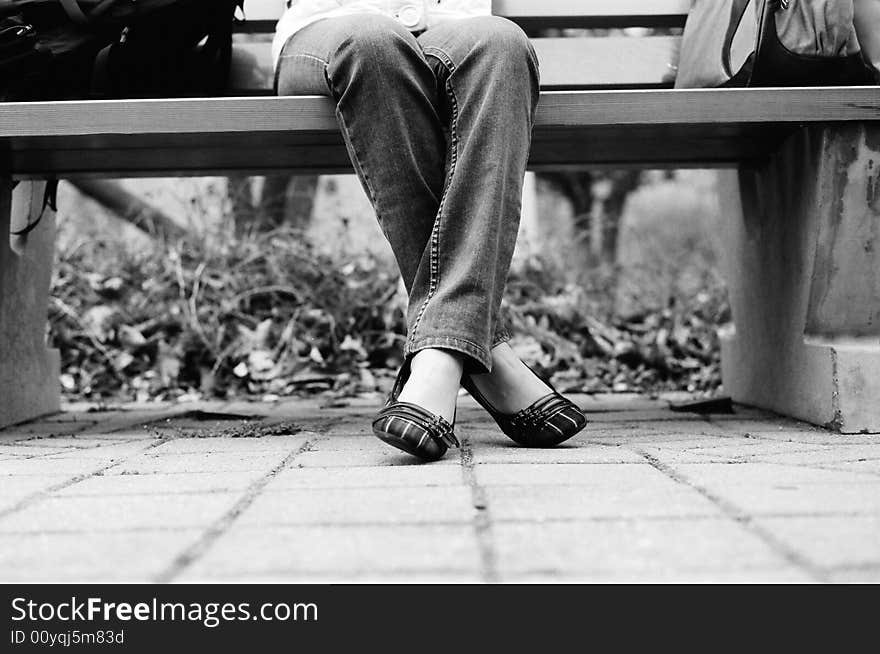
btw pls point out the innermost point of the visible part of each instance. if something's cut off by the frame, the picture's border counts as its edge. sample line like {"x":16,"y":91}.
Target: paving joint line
{"x":35,"y":457}
{"x":195,"y":551}
{"x":824,"y":465}
{"x":830,"y":467}
{"x":121,"y":422}
{"x":262,"y":526}
{"x":373,"y":524}
{"x":159,"y":493}
{"x":24,"y":438}
{"x":745,"y":520}
{"x":482,"y":522}
{"x":377,"y":575}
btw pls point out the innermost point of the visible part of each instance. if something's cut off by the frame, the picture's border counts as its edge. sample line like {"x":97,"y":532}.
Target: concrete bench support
{"x":801,"y":240}
{"x":28,"y":369}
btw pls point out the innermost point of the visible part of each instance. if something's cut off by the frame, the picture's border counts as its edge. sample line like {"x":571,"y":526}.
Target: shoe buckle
{"x":450,"y":440}
{"x":444,"y":432}
{"x":528,"y":417}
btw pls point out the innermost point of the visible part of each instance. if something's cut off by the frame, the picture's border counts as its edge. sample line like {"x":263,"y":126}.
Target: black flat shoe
{"x":547,"y":422}
{"x":411,"y":428}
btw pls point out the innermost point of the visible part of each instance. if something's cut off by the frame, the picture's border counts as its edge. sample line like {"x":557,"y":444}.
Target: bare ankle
{"x":434,"y":381}
{"x":510,"y":386}
{"x":437,"y":362}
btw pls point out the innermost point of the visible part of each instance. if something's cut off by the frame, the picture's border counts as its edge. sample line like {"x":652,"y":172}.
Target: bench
{"x":798,"y":180}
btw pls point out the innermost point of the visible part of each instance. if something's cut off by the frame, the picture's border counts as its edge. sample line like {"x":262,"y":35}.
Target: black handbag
{"x":714,"y":26}
{"x":24,"y":63}
{"x":124,"y":49}
{"x":776,"y":65}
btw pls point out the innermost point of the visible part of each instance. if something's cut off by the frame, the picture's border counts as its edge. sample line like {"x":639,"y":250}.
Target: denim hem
{"x":501,"y":337}
{"x":480,"y":360}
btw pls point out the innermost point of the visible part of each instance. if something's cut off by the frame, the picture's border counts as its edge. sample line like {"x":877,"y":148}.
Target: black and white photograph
{"x":436,"y":292}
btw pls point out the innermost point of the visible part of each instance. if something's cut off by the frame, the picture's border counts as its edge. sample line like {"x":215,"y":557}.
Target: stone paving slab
{"x":113,"y":451}
{"x":781,"y":498}
{"x":237,"y":446}
{"x":779,"y":574}
{"x":642,"y":494}
{"x":654,"y":417}
{"x":24,"y":450}
{"x":570,"y":474}
{"x":653,"y":548}
{"x":365,"y":477}
{"x":428,"y":550}
{"x":156,"y":461}
{"x":160,"y":485}
{"x":855,"y":575}
{"x":391,"y":505}
{"x":104,"y":514}
{"x":828,"y":454}
{"x":43,"y":466}
{"x":798,"y":434}
{"x":62,"y":444}
{"x":15,"y":488}
{"x":772,"y":474}
{"x":660,"y":498}
{"x":674,"y":455}
{"x":772,"y":426}
{"x":350,"y":442}
{"x":624,"y":434}
{"x":508,"y":453}
{"x":370,"y":458}
{"x":126,"y":556}
{"x":340,"y":577}
{"x":726,"y":450}
{"x":831,"y":542}
{"x":622,"y":402}
{"x":868,"y":466}
{"x":135,"y":433}
{"x":750,"y":448}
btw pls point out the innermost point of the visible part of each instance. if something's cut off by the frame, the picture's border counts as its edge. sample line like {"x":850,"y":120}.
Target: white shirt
{"x":413,"y":14}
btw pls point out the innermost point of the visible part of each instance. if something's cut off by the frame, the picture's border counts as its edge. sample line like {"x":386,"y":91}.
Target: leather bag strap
{"x":72,"y":9}
{"x":78,"y":16}
{"x":737,"y":11}
{"x":50,"y":199}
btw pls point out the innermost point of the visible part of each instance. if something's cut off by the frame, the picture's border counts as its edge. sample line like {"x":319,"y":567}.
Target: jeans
{"x":438,"y":127}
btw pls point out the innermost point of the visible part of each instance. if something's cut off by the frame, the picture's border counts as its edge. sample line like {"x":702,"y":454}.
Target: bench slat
{"x":607,"y":62}
{"x":594,"y":13}
{"x":673,"y":146}
{"x":557,"y":109}
{"x":586,"y":13}
{"x":194,"y":136}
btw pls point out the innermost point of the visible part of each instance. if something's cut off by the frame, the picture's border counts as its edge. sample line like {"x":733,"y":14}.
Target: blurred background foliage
{"x":266,"y":287}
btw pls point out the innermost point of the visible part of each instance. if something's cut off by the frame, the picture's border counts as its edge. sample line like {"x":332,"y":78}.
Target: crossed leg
{"x":438,"y":129}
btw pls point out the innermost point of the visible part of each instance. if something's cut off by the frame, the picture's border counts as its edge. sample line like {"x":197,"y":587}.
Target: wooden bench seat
{"x":658,"y":128}
{"x":800,"y":187}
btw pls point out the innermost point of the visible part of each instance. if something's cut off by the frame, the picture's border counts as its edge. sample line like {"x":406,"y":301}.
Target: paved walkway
{"x":301,"y":492}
